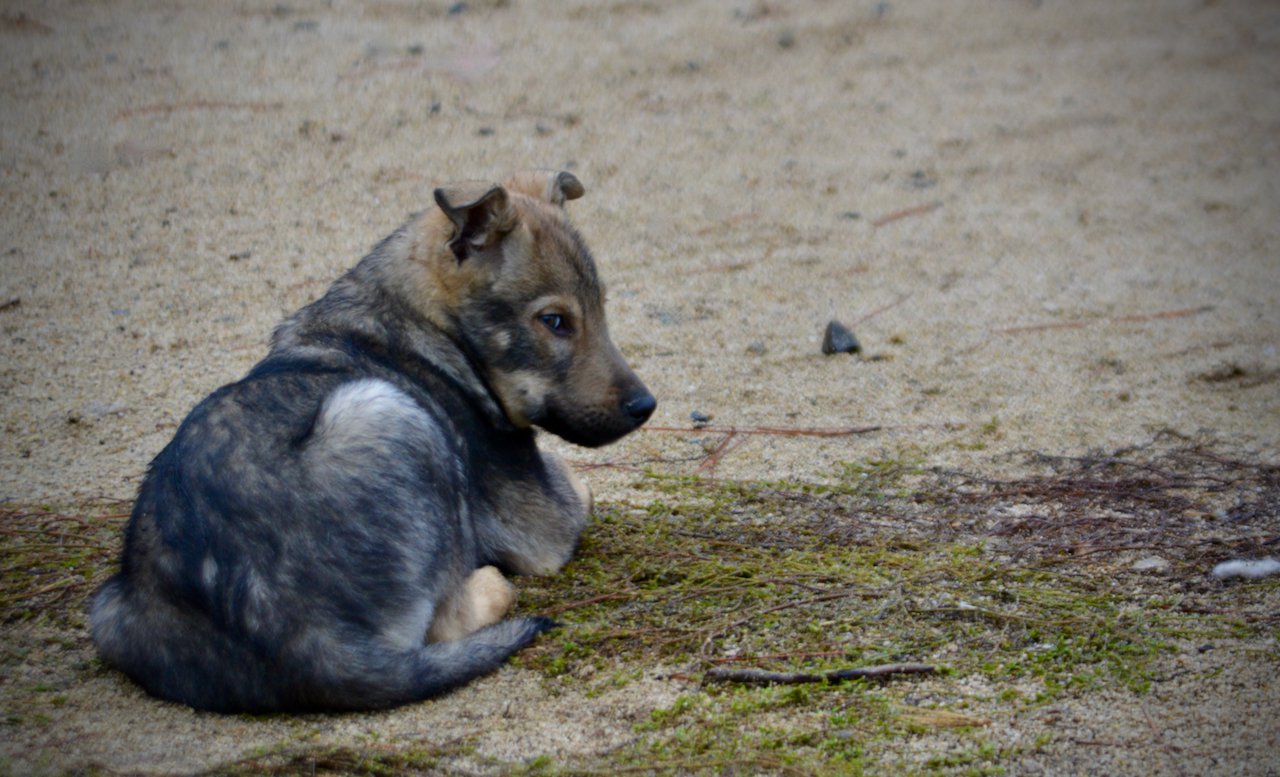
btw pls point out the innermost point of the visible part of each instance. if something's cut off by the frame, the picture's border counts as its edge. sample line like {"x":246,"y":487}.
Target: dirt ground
{"x":1053,"y":227}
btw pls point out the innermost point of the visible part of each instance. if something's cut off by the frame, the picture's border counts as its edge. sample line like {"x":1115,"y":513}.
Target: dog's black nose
{"x":639,"y":407}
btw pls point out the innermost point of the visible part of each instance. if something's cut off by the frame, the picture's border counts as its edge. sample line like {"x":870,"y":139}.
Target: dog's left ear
{"x":481,"y":214}
{"x":551,"y":185}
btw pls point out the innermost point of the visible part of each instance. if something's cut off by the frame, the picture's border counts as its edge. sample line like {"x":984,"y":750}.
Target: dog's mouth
{"x":594,"y":427}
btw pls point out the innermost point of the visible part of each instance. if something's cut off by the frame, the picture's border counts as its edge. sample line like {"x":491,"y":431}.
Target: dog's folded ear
{"x":551,"y":185}
{"x":481,"y":214}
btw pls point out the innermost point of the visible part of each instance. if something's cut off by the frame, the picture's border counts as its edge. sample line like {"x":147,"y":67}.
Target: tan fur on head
{"x":517,"y":390}
{"x":500,"y":270}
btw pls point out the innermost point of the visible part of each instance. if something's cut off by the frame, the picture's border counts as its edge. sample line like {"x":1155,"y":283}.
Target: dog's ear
{"x":481,"y":214}
{"x":552,"y":186}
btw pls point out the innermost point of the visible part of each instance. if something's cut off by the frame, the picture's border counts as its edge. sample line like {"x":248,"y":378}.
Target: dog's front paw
{"x":492,"y":595}
{"x":482,"y":600}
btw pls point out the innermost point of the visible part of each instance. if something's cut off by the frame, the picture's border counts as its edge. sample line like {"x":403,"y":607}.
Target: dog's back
{"x":243,"y":561}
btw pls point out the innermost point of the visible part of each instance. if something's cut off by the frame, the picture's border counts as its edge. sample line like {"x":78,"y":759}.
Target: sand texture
{"x":1052,"y":226}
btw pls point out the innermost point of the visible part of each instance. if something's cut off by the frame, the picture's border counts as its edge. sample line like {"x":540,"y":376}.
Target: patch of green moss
{"x":803,"y":577}
{"x":52,"y":558}
{"x":364,"y":761}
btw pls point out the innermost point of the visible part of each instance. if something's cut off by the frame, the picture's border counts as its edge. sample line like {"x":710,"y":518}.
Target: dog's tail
{"x":377,"y":676}
{"x":178,"y":656}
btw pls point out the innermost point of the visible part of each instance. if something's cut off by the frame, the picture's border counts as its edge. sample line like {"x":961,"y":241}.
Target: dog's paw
{"x":491,"y":596}
{"x":481,"y":601}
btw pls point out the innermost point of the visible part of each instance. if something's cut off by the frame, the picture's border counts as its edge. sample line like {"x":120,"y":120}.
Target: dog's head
{"x":516,"y":285}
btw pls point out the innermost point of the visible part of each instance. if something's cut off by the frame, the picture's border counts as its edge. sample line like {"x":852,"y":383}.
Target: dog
{"x":331,"y":532}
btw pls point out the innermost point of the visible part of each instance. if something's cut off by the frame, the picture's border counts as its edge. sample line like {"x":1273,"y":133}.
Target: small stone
{"x":839,"y":339}
{"x":699,"y":418}
{"x":786,"y":39}
{"x":1250,"y":569}
{"x":921,"y":180}
{"x":1151,"y":564}
{"x":756,"y":348}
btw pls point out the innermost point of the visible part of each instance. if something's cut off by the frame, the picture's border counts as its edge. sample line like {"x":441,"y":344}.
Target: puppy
{"x":327,"y":532}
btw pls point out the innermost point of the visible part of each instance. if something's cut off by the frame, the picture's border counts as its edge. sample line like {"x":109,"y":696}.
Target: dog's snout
{"x":639,"y":406}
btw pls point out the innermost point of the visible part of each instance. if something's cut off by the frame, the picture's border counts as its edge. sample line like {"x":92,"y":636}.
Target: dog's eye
{"x":556,"y":323}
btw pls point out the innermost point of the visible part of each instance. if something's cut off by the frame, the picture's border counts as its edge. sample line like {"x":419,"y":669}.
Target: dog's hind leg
{"x":482,"y":600}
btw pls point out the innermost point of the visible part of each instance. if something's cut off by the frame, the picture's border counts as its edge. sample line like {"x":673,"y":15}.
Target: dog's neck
{"x":365,"y":312}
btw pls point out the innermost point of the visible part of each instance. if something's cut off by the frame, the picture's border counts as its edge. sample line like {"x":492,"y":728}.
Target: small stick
{"x":762,"y":677}
{"x":1132,"y":319}
{"x":198,"y":105}
{"x":905,"y":212}
{"x":775,"y":431}
{"x":726,"y":445}
{"x":882,"y":309}
{"x":1017,"y":330}
{"x":1180,"y":313}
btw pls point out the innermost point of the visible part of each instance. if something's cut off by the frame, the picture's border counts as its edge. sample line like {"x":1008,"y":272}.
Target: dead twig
{"x":728,"y":444}
{"x":1082,"y":323}
{"x":762,"y":677}
{"x":905,"y":213}
{"x":198,"y":105}
{"x":775,"y":431}
{"x":733,"y":438}
{"x":882,"y":309}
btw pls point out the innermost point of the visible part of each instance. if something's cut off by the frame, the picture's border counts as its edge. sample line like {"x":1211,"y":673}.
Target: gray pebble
{"x":839,"y":339}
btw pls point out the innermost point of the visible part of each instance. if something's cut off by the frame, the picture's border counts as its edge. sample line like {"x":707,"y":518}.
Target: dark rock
{"x":839,"y":339}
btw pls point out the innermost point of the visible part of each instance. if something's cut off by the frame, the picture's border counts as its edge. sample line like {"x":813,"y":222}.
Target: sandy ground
{"x":1053,"y":226}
